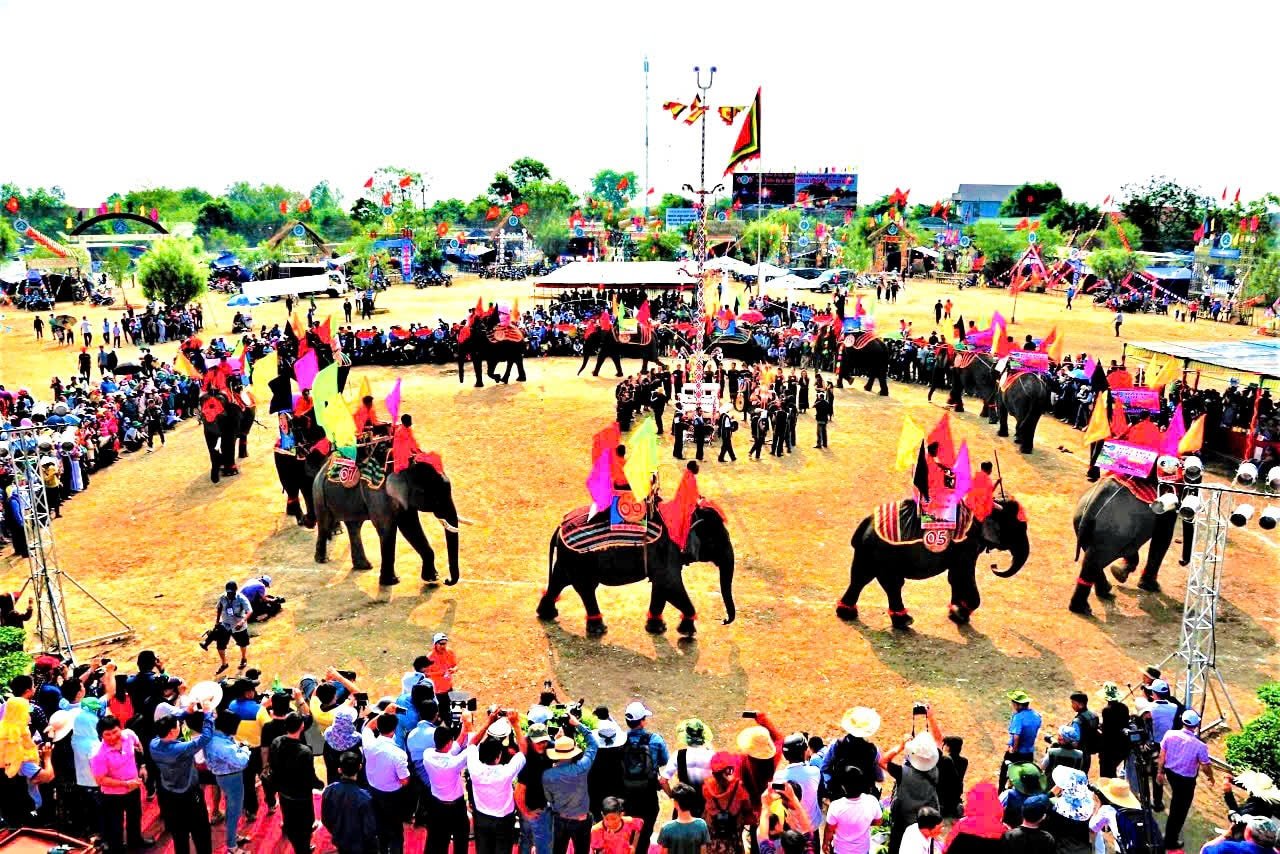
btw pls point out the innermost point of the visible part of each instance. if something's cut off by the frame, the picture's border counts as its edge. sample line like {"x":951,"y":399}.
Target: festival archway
{"x":84,"y":226}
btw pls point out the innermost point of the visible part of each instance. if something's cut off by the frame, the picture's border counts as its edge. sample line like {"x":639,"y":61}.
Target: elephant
{"x":870,"y":357}
{"x":226,"y":430}
{"x":392,"y":507}
{"x":483,"y":340}
{"x":978,"y":379}
{"x":1026,"y":397}
{"x":661,"y":561}
{"x":646,"y":347}
{"x":298,"y":465}
{"x":729,"y":347}
{"x":1005,"y":529}
{"x":1111,"y":522}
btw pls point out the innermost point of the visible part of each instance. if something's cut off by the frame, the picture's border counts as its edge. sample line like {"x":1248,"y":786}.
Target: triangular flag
{"x":393,"y":402}
{"x":642,"y":316}
{"x":368,"y":184}
{"x":963,"y":472}
{"x":1119,"y":419}
{"x":1099,"y":427}
{"x":332,"y":413}
{"x":297,"y":324}
{"x":1171,"y":438}
{"x":675,"y":108}
{"x":1171,"y":371}
{"x":908,"y":441}
{"x":305,"y":370}
{"x":1193,"y":439}
{"x":365,"y":390}
{"x":642,"y":458}
{"x":1056,"y":348}
{"x":920,"y":478}
{"x":264,"y":371}
{"x":941,"y":433}
{"x":183,"y":365}
{"x":605,"y":440}
{"x":677,"y":514}
{"x":600,"y":483}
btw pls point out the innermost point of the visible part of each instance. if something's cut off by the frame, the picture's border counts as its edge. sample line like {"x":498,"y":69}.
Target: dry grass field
{"x":156,"y":540}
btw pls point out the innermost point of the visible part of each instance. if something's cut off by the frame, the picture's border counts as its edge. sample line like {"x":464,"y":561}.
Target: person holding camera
{"x":916,"y":779}
{"x":1183,"y":756}
{"x":565,"y":786}
{"x":441,"y":769}
{"x":492,"y":782}
{"x":387,"y":770}
{"x":727,"y":808}
{"x":1063,"y":750}
{"x":182,"y":805}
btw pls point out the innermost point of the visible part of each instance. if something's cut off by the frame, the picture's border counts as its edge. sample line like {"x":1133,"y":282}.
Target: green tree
{"x":1166,"y":213}
{"x":552,"y":237}
{"x":8,"y":240}
{"x":659,"y":246}
{"x":547,"y":200}
{"x":1257,"y":746}
{"x":216,"y":213}
{"x":1069,"y":217}
{"x":1264,"y":276}
{"x":1114,"y":264}
{"x":452,"y":211}
{"x":116,"y":264}
{"x":45,"y":209}
{"x":999,"y":248}
{"x":671,"y":200}
{"x":1031,"y":199}
{"x":605,"y":187}
{"x":171,"y":273}
{"x":527,"y":169}
{"x":365,"y":212}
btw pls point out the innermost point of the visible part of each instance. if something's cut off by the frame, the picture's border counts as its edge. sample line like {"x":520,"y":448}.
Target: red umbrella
{"x":751,"y":316}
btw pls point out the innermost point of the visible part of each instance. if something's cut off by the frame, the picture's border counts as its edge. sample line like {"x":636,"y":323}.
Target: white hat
{"x":538,"y":714}
{"x":860,"y":721}
{"x":499,"y":729}
{"x":922,"y":751}
{"x":608,"y":734}
{"x":1160,"y":686}
{"x":439,"y":636}
{"x":636,"y":711}
{"x":60,"y":724}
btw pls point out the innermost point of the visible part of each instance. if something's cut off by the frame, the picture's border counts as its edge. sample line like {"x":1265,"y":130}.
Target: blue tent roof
{"x":1170,"y":273}
{"x":393,"y":243}
{"x":226,"y":259}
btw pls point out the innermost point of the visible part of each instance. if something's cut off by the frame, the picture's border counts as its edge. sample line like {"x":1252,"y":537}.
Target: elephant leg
{"x":654,"y":623}
{"x":308,"y":519}
{"x":324,"y":526}
{"x":861,"y":574}
{"x":871,"y":381}
{"x":359,"y":560}
{"x":520,"y":377}
{"x":617,"y":363}
{"x":411,"y":526}
{"x":1161,"y":538}
{"x":227,"y":444}
{"x":897,"y":608}
{"x":557,"y":581}
{"x":284,"y":471}
{"x":599,"y":361}
{"x":215,"y":456}
{"x":679,"y":597}
{"x":595,"y":620}
{"x":884,"y":385}
{"x":243,"y":443}
{"x":965,"y":597}
{"x":477,"y":362}
{"x":1027,"y":426}
{"x":387,"y":537}
{"x":1002,"y":415}
{"x":1091,"y":574}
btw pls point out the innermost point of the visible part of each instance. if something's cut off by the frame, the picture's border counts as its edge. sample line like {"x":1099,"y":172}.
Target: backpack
{"x":638,"y":769}
{"x":1132,"y":827}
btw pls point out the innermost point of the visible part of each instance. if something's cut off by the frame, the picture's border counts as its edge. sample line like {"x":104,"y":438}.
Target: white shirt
{"x":697,"y":762}
{"x":385,"y":764}
{"x":444,"y":772}
{"x":915,"y":842}
{"x":807,"y":778}
{"x":1102,"y":823}
{"x":492,"y":789}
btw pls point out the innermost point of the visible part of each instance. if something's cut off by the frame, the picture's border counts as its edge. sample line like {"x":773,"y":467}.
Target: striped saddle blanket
{"x":1011,"y":378}
{"x":1141,"y":489}
{"x":965,"y":358}
{"x":859,"y":340}
{"x":506,"y":332}
{"x":740,"y":337}
{"x":898,"y":523}
{"x":581,"y":532}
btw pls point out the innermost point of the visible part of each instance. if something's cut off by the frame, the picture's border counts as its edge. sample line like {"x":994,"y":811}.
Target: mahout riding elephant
{"x":1112,"y":522}
{"x":483,"y":340}
{"x":864,"y":353}
{"x":226,"y":430}
{"x":393,"y":506}
{"x":1026,"y":397}
{"x":892,"y":563}
{"x":298,"y":462}
{"x":661,"y":561}
{"x":644,"y":344}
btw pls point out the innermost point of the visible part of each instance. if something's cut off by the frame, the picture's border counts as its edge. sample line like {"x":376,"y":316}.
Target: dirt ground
{"x":155,"y":540}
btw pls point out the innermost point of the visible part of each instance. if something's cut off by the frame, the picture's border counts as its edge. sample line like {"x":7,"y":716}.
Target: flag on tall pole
{"x":1099,"y":426}
{"x":747,"y":146}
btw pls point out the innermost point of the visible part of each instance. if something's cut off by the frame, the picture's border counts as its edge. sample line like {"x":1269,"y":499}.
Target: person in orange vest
{"x":444,"y":664}
{"x":404,"y":446}
{"x":981,"y":498}
{"x":366,"y":417}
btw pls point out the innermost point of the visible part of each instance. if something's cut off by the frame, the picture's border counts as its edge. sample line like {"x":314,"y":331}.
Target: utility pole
{"x":647,"y":185}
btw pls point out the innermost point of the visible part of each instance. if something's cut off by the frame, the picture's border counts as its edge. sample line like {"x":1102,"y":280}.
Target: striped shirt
{"x":1184,"y":753}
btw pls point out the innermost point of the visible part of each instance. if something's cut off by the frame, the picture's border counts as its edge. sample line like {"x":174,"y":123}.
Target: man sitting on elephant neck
{"x":367,"y":421}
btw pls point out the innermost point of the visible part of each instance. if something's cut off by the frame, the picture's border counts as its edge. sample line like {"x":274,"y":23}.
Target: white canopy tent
{"x":729,"y":264}
{"x":764,"y":271}
{"x":621,"y":274}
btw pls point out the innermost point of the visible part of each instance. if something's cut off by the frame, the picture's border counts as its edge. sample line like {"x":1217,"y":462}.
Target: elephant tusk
{"x":450,"y":528}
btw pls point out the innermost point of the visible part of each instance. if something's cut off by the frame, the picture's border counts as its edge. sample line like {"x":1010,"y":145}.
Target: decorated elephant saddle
{"x":1143,"y":490}
{"x":900,"y":523}
{"x":858,"y":340}
{"x":740,"y":337}
{"x":582,"y":532}
{"x":507,"y":332}
{"x":349,"y":473}
{"x":964,"y":358}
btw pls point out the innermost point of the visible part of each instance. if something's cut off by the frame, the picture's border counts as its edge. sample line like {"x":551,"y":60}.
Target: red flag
{"x":1244,"y":223}
{"x":493,"y":213}
{"x":937,"y":206}
{"x":406,"y":180}
{"x":904,"y":196}
{"x":941,"y":433}
{"x":649,"y":192}
{"x":677,"y":514}
{"x":284,"y":207}
{"x":848,"y":216}
{"x":368,"y":185}
{"x":442,"y":229}
{"x":12,"y":205}
{"x":1106,"y":201}
{"x":946,"y":211}
{"x":520,"y":209}
{"x":1198,"y":235}
{"x":304,"y":206}
{"x":623,"y":183}
{"x":1025,"y":224}
{"x":386,"y":198}
{"x":675,"y":108}
{"x":1253,"y":223}
{"x":1224,"y":194}
{"x":1237,"y":195}
{"x":642,"y":316}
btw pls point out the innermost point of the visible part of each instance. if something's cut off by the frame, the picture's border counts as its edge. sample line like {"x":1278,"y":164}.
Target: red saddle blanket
{"x":964,"y":358}
{"x":1141,"y":489}
{"x":1011,"y":378}
{"x":898,"y":523}
{"x":641,"y":336}
{"x":506,"y":333}
{"x":859,"y":340}
{"x":582,"y":532}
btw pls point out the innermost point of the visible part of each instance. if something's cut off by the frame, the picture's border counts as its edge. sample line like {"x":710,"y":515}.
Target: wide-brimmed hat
{"x":1022,"y":774}
{"x":1117,"y":791}
{"x":1075,"y":802}
{"x":1259,"y":785}
{"x":564,"y":748}
{"x":206,"y":691}
{"x":922,"y":752}
{"x":1018,"y":696}
{"x":60,"y":724}
{"x":1110,"y":692}
{"x":499,"y":729}
{"x":608,"y":733}
{"x":860,"y":721}
{"x":756,"y":742}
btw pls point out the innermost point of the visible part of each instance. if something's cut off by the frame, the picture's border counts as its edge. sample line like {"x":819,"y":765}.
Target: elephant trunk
{"x":448,"y":517}
{"x":726,"y":585}
{"x":462,"y":365}
{"x":586,"y":357}
{"x":1020,"y":551}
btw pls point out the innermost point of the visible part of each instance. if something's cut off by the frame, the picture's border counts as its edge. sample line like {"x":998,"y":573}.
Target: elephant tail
{"x":860,"y":532}
{"x":551,"y":556}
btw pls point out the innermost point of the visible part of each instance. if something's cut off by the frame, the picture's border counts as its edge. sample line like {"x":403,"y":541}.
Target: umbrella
{"x":128,"y":369}
{"x":1079,"y":374}
{"x":67,"y":320}
{"x":243,"y":300}
{"x":752,"y":316}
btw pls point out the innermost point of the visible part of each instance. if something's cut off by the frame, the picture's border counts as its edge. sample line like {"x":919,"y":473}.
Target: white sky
{"x":921,"y":95}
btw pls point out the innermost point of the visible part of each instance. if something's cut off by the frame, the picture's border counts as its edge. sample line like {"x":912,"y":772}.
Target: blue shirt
{"x":177,"y":759}
{"x":245,"y":709}
{"x":1162,"y":715}
{"x":565,"y":783}
{"x":420,"y":739}
{"x":253,"y":590}
{"x":224,"y":756}
{"x":1023,"y":729}
{"x":657,"y":747}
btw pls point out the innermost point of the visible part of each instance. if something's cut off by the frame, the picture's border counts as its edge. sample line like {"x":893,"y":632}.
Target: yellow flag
{"x":1194,"y":437}
{"x":1055,"y":347}
{"x":642,"y":458}
{"x":365,"y":389}
{"x":908,"y":445}
{"x":297,"y":324}
{"x":183,"y":365}
{"x":1153,"y":367}
{"x":264,"y":371}
{"x":1170,"y":372}
{"x":515,"y":310}
{"x":331,"y":413}
{"x":1099,"y":425}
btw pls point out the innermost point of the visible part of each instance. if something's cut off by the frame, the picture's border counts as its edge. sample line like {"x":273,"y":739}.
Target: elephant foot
{"x":1121,"y":573}
{"x":596,"y":626}
{"x":291,"y":509}
{"x":308,"y":521}
{"x":958,"y":614}
{"x":230,"y":471}
{"x":547,"y":611}
{"x":1003,"y":434}
{"x":244,"y":455}
{"x":845,"y":612}
{"x":430,"y":577}
{"x":687,"y":627}
{"x":655,"y":626}
{"x":1149,"y":584}
{"x":1104,"y":591}
{"x":884,"y":394}
{"x":479,"y":385}
{"x":595,"y":373}
{"x":214,"y":475}
{"x":1080,"y":599}
{"x":901,"y":619}
{"x":1183,"y":562}
{"x":389,"y":582}
{"x":321,"y":558}
{"x":361,"y":565}
{"x":1081,"y":608}
{"x":1024,"y":450}
{"x":521,"y":379}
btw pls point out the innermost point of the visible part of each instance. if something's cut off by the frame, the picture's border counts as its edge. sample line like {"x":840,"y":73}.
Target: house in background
{"x":980,"y":201}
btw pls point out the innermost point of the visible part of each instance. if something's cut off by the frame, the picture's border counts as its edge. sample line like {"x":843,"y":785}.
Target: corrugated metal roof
{"x":1250,"y":357}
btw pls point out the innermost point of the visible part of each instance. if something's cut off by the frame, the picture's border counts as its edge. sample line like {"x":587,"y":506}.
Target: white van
{"x":300,"y":280}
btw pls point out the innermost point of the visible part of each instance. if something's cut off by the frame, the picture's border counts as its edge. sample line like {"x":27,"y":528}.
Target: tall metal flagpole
{"x":700,"y":239}
{"x":647,"y":185}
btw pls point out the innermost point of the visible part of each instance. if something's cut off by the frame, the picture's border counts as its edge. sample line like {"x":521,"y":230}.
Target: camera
{"x":919,"y":708}
{"x":362,"y":699}
{"x":457,"y":707}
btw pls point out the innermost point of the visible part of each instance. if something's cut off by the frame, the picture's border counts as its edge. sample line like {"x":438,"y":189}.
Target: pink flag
{"x":393,"y":402}
{"x":997,"y":319}
{"x":600,"y":483}
{"x":305,"y":370}
{"x":964,"y":474}
{"x":1089,"y":366}
{"x":1170,"y":438}
{"x":642,"y":316}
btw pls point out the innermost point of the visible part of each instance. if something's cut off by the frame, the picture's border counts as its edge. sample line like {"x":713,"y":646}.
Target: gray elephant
{"x":392,"y":507}
{"x":893,"y":561}
{"x":978,"y":379}
{"x":660,"y":561}
{"x":864,"y":353}
{"x":1112,"y":522}
{"x":1025,"y":396}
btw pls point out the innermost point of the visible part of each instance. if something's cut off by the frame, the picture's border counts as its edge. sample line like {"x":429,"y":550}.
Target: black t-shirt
{"x":530,"y":777}
{"x":1029,"y":840}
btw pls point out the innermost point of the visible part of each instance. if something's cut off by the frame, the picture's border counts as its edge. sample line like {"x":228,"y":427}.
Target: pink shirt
{"x":119,"y":763}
